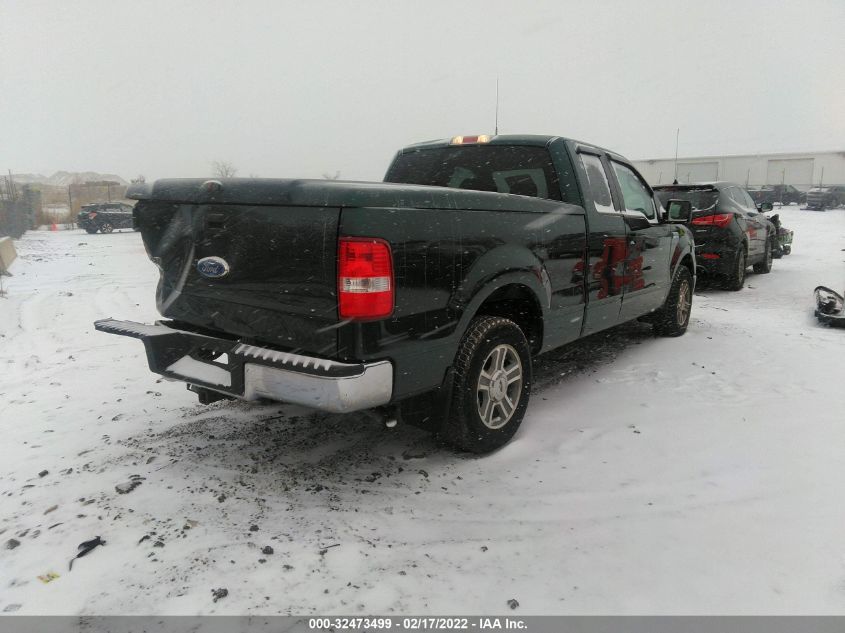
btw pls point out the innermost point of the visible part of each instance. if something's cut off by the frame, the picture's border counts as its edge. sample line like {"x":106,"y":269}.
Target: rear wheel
{"x":673,"y":318}
{"x":105,"y":227}
{"x":766,"y":265}
{"x":492,"y":378}
{"x":736,"y":279}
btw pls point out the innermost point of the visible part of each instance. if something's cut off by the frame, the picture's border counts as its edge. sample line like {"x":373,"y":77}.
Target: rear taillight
{"x":364,"y":278}
{"x":719,"y":219}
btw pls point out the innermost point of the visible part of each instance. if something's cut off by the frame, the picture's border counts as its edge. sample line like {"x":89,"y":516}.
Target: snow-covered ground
{"x":704,"y":474}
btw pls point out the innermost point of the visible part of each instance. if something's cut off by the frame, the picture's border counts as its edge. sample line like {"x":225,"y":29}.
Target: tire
{"x":736,"y":279}
{"x":787,"y":249}
{"x":673,"y":318}
{"x":91,"y":229}
{"x":492,"y":380}
{"x":765,"y":267}
{"x":105,"y":227}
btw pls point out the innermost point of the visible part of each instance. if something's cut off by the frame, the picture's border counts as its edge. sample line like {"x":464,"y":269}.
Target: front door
{"x":649,"y":245}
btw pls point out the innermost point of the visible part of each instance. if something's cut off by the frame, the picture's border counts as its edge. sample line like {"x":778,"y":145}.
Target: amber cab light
{"x":469,"y":140}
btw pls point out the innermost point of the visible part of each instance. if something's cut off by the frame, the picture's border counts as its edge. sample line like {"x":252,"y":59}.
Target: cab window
{"x":597,"y":179}
{"x":635,"y":195}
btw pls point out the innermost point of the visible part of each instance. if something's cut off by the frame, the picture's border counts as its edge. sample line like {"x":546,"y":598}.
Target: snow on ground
{"x":704,"y":474}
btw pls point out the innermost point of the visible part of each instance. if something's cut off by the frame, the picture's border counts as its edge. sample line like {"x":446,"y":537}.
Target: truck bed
{"x":278,"y":240}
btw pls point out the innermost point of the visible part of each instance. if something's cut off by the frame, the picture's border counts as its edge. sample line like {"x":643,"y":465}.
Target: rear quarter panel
{"x":446,"y":262}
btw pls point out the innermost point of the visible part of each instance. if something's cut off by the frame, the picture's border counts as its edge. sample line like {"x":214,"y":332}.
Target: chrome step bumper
{"x":251,"y":372}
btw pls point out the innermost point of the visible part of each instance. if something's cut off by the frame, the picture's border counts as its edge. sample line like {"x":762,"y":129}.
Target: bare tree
{"x":224,"y":169}
{"x":139,"y":179}
{"x":328,"y":176}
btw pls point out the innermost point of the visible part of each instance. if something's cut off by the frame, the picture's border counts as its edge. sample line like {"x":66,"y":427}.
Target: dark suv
{"x":730,"y":231}
{"x":105,"y":217}
{"x":776,"y":194}
{"x":828,"y":197}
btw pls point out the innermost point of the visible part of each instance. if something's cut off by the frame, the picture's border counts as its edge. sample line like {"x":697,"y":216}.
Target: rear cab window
{"x":514,"y":169}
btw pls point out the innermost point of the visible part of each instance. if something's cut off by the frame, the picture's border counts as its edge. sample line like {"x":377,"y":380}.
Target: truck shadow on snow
{"x":587,"y":355}
{"x":237,"y":448}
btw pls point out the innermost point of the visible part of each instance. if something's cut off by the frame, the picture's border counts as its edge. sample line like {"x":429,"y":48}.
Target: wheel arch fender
{"x":684,"y":253}
{"x":523,"y":279}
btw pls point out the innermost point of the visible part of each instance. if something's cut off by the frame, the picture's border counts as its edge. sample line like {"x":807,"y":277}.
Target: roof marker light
{"x":467,"y":140}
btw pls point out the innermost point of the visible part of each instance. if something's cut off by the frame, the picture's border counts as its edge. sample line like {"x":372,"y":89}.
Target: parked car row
{"x":817,"y":198}
{"x":821,"y":198}
{"x":427,"y":296}
{"x":777,"y":194}
{"x":731,"y":232}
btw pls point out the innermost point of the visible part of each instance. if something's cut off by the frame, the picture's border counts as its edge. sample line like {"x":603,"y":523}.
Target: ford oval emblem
{"x":213,"y":267}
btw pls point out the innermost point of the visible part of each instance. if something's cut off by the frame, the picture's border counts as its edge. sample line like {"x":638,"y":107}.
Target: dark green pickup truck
{"x":425,"y":296}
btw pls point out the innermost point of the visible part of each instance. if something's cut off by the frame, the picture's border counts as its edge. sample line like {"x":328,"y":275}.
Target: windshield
{"x":520,"y":170}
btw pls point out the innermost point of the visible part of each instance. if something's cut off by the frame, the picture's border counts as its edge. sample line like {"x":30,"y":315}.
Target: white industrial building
{"x":802,"y":170}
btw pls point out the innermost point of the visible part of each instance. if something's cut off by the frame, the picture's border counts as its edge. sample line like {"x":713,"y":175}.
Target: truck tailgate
{"x":262,"y":272}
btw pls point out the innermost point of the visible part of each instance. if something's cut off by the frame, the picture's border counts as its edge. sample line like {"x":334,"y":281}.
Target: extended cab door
{"x":606,"y":243}
{"x":647,"y":274}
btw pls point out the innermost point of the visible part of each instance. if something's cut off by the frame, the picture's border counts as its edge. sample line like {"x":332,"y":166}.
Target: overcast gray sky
{"x":284,"y":89}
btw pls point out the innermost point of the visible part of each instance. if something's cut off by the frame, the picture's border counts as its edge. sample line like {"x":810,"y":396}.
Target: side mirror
{"x":679,"y":211}
{"x":765,"y":206}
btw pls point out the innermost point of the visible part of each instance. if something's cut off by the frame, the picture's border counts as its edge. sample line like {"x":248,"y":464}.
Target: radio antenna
{"x":497,"y":106}
{"x":677,"y":136}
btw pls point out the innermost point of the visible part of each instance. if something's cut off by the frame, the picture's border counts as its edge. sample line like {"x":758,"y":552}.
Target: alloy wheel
{"x":684,"y":303}
{"x":499,"y":386}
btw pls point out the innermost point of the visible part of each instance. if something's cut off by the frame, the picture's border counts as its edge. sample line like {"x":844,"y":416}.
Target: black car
{"x":776,"y":194}
{"x":105,"y":217}
{"x":730,"y":231}
{"x":829,"y":197}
